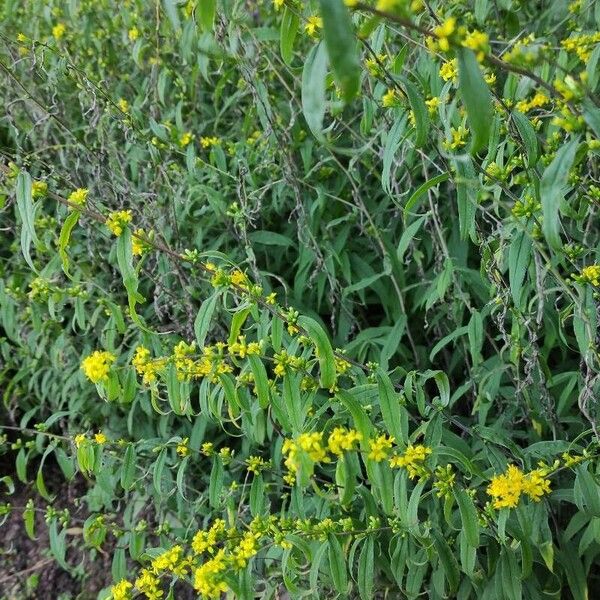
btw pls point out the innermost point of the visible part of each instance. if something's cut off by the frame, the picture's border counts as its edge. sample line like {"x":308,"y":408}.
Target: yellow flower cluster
{"x":589,"y":274}
{"x":205,"y":541}
{"x":58,"y":31}
{"x":209,"y":141}
{"x":185,"y":139}
{"x":390,"y":98}
{"x":172,"y":561}
{"x":256,"y":464}
{"x":458,"y":138}
{"x":145,"y":366}
{"x":79,"y":196}
{"x":380,"y":447}
{"x":39,"y":189}
{"x":412,"y":460}
{"x":121,"y":590}
{"x":313,"y":24}
{"x":307,"y":444}
{"x":148,"y":583}
{"x":341,"y":440}
{"x":182,"y":448}
{"x":447,"y":34}
{"x":582,"y":45}
{"x":139,"y":242}
{"x":208,"y":577}
{"x":538,"y":101}
{"x":118,"y":220}
{"x":449,"y":70}
{"x":243,"y":349}
{"x":96,"y":366}
{"x":506,"y":489}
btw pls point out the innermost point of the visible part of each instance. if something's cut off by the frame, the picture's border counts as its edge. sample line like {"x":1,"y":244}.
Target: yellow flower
{"x":245,"y":550}
{"x":388,"y":5}
{"x":459,"y":138}
{"x":449,"y":70}
{"x":380,"y":447}
{"x":149,"y":584}
{"x":390,"y":98}
{"x":278,"y":4}
{"x":182,"y":448}
{"x":96,"y":366}
{"x":432,"y":104}
{"x":412,"y":460}
{"x":139,"y":243}
{"x":170,"y":560}
{"x":133,"y":34}
{"x":185,"y":139}
{"x":208,"y":141}
{"x":121,"y":590}
{"x":123,"y":105}
{"x":58,"y":30}
{"x":39,"y":189}
{"x":535,"y":484}
{"x":589,"y":274}
{"x":100,"y":438}
{"x":21,"y":37}
{"x":308,"y":443}
{"x":312,"y":24}
{"x":478,"y":42}
{"x":205,"y":541}
{"x":117,"y":221}
{"x":342,"y":439}
{"x":444,"y":31}
{"x":79,"y":196}
{"x":271,"y":298}
{"x":208,"y":578}
{"x":256,"y":464}
{"x":79,"y":439}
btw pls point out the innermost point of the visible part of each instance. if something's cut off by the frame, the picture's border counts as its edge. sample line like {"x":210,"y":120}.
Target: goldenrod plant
{"x":302,"y":296}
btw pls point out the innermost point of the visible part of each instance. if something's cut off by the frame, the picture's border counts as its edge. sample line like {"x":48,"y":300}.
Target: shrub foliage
{"x":306,"y":293}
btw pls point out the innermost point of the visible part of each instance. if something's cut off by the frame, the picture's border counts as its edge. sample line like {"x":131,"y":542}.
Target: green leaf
{"x":128,"y":468}
{"x":340,"y":41}
{"x":128,"y":273}
{"x":394,"y":413}
{"x":528,"y":135}
{"x":157,"y":472}
{"x":324,"y":350}
{"x":392,"y":143}
{"x":203,"y":318}
{"x":64,"y":238}
{"x":553,"y":187}
{"x":416,"y":196}
{"x":337,"y":565}
{"x":171,"y":10}
{"x":361,"y":421}
{"x":215,"y":486}
{"x":468,"y":516}
{"x":590,"y":490}
{"x":477,"y":98}
{"x":58,"y":544}
{"x":447,"y":560}
{"x":366,"y":565}
{"x":261,"y":380}
{"x":26,"y":209}
{"x":510,"y":579}
{"x":287,"y":34}
{"x":207,"y":10}
{"x":313,"y":90}
{"x":29,"y":519}
{"x":519,"y":256}
{"x":420,"y":111}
